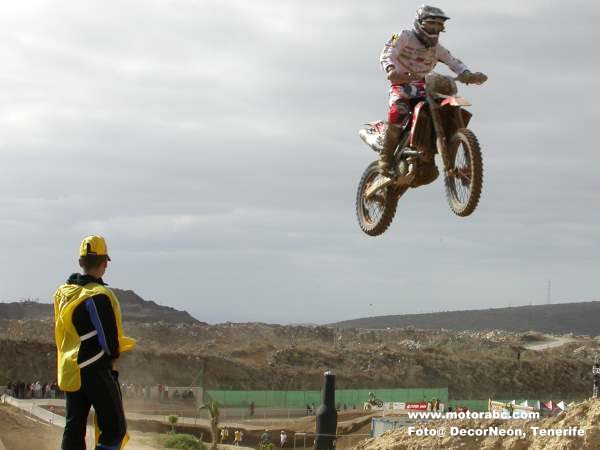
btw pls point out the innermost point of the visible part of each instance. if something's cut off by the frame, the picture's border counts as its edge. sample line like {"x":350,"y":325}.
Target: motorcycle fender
{"x":455,"y":101}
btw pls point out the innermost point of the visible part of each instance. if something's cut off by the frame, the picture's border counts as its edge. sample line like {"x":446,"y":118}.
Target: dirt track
{"x":19,"y":432}
{"x":552,"y":342}
{"x":147,"y":430}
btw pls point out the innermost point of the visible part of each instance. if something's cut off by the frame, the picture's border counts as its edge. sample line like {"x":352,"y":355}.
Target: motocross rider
{"x":406,"y":58}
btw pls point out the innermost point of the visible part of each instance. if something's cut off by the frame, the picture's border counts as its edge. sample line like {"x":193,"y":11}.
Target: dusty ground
{"x":585,"y":415}
{"x":19,"y":432}
{"x":307,"y":423}
{"x":350,"y":423}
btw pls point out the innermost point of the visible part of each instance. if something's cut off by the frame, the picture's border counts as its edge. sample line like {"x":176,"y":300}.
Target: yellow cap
{"x":93,"y":245}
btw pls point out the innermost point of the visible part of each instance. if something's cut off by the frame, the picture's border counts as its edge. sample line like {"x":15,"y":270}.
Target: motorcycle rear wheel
{"x":376,"y":214}
{"x":464,"y":178}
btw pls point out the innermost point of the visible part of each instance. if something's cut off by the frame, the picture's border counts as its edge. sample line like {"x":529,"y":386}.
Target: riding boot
{"x":386,"y":155}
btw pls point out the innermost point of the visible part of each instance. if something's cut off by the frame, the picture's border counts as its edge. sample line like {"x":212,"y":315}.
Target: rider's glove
{"x":478,"y":78}
{"x":464,"y":76}
{"x":475,"y":78}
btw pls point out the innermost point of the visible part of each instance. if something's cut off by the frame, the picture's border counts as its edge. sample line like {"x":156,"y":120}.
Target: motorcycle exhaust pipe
{"x":410,"y":153}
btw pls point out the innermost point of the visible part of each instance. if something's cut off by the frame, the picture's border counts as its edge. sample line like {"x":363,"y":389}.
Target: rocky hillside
{"x":259,"y":356}
{"x":25,"y":310}
{"x":578,"y":318}
{"x":134,"y":307}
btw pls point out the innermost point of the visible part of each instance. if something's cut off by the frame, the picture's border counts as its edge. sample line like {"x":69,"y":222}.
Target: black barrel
{"x":327,"y":416}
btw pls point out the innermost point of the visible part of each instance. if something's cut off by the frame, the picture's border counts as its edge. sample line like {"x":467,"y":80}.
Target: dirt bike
{"x":376,"y":402}
{"x":373,"y":402}
{"x":437,"y":125}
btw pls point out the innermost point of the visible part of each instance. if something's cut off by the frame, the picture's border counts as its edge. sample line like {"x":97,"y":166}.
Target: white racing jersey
{"x":406,"y":53}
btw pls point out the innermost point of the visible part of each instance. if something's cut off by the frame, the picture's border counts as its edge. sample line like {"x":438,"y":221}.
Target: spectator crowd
{"x":34,"y":389}
{"x":38,"y":390}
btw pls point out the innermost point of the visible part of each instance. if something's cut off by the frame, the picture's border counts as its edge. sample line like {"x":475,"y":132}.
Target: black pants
{"x":99,"y":388}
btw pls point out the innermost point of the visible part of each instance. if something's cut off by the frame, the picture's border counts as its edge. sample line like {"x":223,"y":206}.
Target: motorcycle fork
{"x":458,"y":116}
{"x":440,"y":136}
{"x":440,"y":141}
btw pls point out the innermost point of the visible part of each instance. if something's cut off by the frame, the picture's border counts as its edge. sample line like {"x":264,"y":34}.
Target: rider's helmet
{"x":429,"y":23}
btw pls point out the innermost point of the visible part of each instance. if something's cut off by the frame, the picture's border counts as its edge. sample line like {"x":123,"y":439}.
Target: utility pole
{"x":596,"y":377}
{"x":549,"y":293}
{"x":199,"y":383}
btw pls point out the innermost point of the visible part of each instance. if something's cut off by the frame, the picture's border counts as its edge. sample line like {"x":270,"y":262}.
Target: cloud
{"x":215,"y":145}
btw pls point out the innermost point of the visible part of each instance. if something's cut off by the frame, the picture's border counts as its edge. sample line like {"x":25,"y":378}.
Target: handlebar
{"x":471,"y":78}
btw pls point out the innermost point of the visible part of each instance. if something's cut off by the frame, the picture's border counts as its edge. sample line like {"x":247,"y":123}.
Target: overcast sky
{"x":214,"y":144}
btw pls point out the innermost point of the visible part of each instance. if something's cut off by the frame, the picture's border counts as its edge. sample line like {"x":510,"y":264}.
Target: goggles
{"x":433,"y":26}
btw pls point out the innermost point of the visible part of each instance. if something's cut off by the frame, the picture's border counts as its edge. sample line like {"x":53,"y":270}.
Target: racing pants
{"x":99,"y":388}
{"x":400,"y":96}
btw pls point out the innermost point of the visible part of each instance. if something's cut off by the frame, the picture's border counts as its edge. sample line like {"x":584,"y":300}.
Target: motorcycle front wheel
{"x":376,"y":213}
{"x":464,"y":179}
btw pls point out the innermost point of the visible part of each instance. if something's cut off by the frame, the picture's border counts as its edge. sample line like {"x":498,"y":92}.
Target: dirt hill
{"x":259,"y":356}
{"x":175,"y":349}
{"x":578,"y":318}
{"x":134,"y":307}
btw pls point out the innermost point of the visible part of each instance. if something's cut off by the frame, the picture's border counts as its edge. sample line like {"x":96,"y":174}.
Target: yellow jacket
{"x":66,"y":299}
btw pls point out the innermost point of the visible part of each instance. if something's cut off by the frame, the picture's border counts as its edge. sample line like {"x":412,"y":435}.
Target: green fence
{"x":299,"y":399}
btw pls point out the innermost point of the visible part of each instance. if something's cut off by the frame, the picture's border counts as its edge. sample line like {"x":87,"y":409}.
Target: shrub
{"x":183,"y":442}
{"x":172,"y":420}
